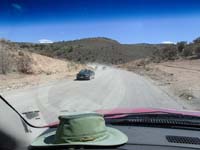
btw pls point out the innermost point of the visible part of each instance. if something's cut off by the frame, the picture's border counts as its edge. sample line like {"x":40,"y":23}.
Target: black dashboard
{"x":151,"y":138}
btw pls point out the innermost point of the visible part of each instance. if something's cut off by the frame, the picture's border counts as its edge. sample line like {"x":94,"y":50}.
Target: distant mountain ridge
{"x":109,"y":51}
{"x":99,"y":49}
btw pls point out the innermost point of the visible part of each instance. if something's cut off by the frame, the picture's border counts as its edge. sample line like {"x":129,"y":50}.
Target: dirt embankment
{"x":40,"y":69}
{"x":180,"y":77}
{"x":185,"y":76}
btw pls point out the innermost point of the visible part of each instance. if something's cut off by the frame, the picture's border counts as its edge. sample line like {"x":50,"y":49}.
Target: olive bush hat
{"x":87,"y":129}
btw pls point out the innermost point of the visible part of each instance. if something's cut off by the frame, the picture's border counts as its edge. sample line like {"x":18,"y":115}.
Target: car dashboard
{"x":150,"y":138}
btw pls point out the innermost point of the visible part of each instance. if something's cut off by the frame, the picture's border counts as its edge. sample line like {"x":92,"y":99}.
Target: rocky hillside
{"x":101,"y":50}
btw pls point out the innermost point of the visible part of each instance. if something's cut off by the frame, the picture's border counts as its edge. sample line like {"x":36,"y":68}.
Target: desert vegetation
{"x":98,"y":50}
{"x":180,"y":50}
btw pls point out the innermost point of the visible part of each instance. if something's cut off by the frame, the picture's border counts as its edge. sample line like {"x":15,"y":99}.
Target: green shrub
{"x":4,"y":58}
{"x":165,"y":53}
{"x":197,"y":40}
{"x":197,"y":51}
{"x":187,"y":51}
{"x":181,"y":45}
{"x":70,"y":49}
{"x":24,"y":64}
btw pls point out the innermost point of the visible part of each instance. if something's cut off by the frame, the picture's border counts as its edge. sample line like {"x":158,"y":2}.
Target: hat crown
{"x":84,"y":127}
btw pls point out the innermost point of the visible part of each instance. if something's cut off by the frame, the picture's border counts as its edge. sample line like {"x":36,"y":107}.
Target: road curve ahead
{"x":111,"y":88}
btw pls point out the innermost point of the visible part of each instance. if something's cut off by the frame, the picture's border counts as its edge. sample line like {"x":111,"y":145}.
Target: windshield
{"x":143,"y":55}
{"x":83,"y":71}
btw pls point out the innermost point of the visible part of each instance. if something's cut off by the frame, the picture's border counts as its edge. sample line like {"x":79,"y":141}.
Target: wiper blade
{"x":152,"y":114}
{"x":158,"y":120}
{"x":172,"y":123}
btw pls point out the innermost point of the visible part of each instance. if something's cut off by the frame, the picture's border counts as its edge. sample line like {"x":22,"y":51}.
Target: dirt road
{"x":111,"y":88}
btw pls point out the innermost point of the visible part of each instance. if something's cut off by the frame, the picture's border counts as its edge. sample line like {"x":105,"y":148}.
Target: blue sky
{"x":128,"y":21}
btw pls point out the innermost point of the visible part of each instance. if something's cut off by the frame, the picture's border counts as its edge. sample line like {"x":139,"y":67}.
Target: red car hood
{"x":139,"y":110}
{"x":148,"y":110}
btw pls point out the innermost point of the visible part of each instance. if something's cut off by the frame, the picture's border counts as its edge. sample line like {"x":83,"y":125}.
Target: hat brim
{"x":114,"y":138}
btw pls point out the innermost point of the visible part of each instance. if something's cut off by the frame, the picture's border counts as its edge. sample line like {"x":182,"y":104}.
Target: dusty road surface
{"x":111,"y":88}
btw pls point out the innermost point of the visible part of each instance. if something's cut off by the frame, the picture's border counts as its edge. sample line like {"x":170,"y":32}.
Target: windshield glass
{"x":83,"y":71}
{"x":143,"y":55}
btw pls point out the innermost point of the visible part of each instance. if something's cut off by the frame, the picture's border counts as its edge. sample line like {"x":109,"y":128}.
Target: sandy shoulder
{"x":180,"y":78}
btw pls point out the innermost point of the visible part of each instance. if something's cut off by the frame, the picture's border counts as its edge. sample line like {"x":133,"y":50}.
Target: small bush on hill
{"x":4,"y":58}
{"x":197,"y":51}
{"x":24,"y":64}
{"x":166,"y":53}
{"x":181,"y":45}
{"x":197,"y":40}
{"x":188,"y":50}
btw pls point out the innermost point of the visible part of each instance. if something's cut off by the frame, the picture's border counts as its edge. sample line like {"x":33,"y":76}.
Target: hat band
{"x":84,"y":138}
